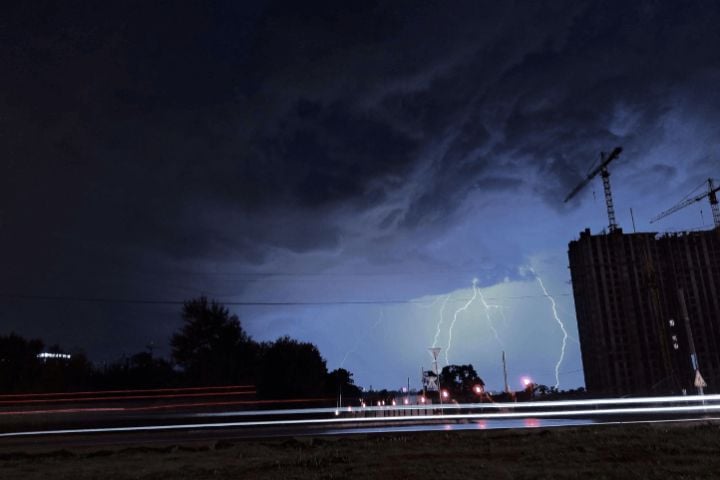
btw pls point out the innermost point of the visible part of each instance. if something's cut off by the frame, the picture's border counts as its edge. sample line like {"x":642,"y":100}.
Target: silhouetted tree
{"x":379,"y":398}
{"x":460,"y":380}
{"x":19,"y":365}
{"x":150,"y":372}
{"x":340,"y":381}
{"x":212,"y":348}
{"x":543,"y":390}
{"x":22,"y":371}
{"x":65,"y":375}
{"x":291,"y":369}
{"x":141,"y":370}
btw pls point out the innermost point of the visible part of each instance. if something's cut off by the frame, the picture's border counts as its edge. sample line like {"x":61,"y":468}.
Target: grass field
{"x":656,"y":451}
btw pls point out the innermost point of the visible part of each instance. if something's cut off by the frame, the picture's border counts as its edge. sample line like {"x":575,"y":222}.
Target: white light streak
{"x":46,"y":355}
{"x":686,"y":399}
{"x":455,"y":317}
{"x":703,"y":406}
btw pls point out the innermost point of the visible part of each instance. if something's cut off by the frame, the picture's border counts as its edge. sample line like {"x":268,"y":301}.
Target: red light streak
{"x":532,"y":422}
{"x":165,"y":407}
{"x":128,"y":397}
{"x":99,"y":392}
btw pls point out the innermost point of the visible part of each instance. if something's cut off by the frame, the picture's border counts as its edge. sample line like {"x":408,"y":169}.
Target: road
{"x":229,"y":413}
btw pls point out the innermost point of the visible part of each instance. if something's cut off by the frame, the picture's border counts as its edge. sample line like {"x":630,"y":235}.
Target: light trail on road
{"x":494,"y":405}
{"x":347,"y":417}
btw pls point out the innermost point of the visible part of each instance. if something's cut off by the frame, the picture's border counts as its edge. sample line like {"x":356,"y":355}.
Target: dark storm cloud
{"x":319,"y":106}
{"x":144,"y":135}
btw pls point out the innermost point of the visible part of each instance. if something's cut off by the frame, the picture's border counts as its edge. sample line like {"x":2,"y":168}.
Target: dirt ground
{"x":658,"y":451}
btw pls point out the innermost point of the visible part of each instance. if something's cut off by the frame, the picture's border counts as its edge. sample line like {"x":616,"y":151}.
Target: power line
{"x":143,"y":301}
{"x":277,"y":274}
{"x":251,"y":303}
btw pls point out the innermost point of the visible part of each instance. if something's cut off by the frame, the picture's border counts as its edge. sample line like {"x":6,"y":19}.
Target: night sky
{"x":342,"y":172}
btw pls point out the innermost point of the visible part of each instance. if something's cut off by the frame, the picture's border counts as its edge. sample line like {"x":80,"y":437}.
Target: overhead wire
{"x":240,"y":303}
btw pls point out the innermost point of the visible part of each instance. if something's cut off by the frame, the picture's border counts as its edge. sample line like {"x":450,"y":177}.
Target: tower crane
{"x":710,"y":194}
{"x":602,"y":169}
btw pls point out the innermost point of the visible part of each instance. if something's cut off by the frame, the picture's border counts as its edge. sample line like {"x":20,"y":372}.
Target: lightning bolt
{"x":455,"y":317}
{"x":560,"y":323}
{"x":489,"y":318}
{"x":361,"y":338}
{"x":442,"y":313}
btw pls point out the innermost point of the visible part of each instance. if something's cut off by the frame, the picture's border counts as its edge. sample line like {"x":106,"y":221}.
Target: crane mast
{"x":602,"y":169}
{"x":605,"y":174}
{"x":712,"y":196}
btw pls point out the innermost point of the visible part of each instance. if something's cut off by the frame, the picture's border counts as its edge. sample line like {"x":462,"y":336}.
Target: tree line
{"x":210,"y":349}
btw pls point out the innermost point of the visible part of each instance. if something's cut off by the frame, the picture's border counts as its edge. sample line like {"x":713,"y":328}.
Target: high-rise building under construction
{"x":636,"y":336}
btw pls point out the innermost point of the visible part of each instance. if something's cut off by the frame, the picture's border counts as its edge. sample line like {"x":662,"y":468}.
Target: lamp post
{"x":529,"y":387}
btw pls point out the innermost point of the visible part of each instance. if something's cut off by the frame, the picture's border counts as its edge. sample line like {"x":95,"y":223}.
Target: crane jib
{"x":603,"y":164}
{"x":710,"y":194}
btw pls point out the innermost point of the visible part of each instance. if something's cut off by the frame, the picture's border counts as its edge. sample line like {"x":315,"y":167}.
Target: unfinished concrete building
{"x":633,"y":335}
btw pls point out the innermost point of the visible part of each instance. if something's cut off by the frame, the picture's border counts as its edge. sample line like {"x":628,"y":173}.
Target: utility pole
{"x":507,"y":390}
{"x":407,"y":394}
{"x":435,"y":351}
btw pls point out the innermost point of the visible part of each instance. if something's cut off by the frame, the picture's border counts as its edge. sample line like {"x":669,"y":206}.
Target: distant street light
{"x":529,"y":387}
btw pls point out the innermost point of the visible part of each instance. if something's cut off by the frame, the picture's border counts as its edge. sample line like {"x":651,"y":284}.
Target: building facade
{"x":633,"y":335}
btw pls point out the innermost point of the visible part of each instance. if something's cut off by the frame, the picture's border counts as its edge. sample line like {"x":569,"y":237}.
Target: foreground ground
{"x":657,"y":451}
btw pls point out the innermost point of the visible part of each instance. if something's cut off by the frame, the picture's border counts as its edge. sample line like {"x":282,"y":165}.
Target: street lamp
{"x":529,"y":387}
